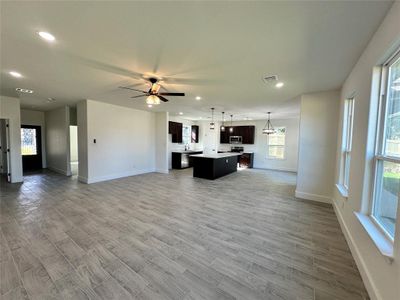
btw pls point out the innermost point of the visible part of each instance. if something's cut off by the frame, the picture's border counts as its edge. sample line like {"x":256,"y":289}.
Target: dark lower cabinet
{"x":246,"y":160}
{"x":182,"y":160}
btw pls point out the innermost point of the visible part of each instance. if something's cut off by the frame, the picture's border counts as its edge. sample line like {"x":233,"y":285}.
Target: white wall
{"x":162,"y":142}
{"x":319,"y":113}
{"x":209,"y":139}
{"x":3,"y":145}
{"x":125,"y":141}
{"x":382,"y":279}
{"x":83,"y":142}
{"x":57,"y":140}
{"x":10,"y":109}
{"x":37,"y":118}
{"x":73,"y":140}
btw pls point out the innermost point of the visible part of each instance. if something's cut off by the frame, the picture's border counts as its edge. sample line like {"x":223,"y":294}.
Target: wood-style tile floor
{"x":158,"y":236}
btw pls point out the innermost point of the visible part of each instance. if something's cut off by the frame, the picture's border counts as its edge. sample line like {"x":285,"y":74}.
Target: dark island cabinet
{"x":175,"y":129}
{"x":246,"y":132}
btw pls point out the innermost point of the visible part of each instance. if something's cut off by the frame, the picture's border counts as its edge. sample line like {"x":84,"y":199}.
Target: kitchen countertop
{"x":186,"y":151}
{"x":243,"y":152}
{"x":216,"y":155}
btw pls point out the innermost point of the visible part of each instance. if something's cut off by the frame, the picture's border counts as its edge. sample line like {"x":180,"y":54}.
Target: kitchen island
{"x":212,"y":166}
{"x":182,"y":160}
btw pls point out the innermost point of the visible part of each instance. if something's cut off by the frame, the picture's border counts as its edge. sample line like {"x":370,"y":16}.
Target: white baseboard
{"x":164,"y":171}
{"x":57,"y":170}
{"x":116,"y":176}
{"x":313,"y":197}
{"x":277,"y":169}
{"x":365,"y":274}
{"x":82,"y":179}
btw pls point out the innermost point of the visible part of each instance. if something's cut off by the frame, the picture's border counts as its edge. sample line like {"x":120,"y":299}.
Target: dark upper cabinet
{"x":224,"y":136}
{"x":175,"y":129}
{"x":246,"y":132}
{"x":195,"y":134}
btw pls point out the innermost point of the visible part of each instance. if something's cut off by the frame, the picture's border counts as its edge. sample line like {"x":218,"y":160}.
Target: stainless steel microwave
{"x":235,"y":139}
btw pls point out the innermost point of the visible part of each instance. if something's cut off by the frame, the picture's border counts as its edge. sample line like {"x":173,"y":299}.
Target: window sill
{"x":384,"y":245}
{"x":342,"y":190}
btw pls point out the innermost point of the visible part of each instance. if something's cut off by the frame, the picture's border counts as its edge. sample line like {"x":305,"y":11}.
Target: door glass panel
{"x":392,"y":139}
{"x":28,"y":141}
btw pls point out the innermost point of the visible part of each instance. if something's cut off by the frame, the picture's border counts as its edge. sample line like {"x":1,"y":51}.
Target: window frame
{"x":380,"y":145}
{"x":346,"y":147}
{"x":284,"y":146}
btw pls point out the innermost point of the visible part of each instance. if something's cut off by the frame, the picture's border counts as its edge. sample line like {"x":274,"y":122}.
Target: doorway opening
{"x":31,"y":148}
{"x":5,"y":160}
{"x":73,"y":149}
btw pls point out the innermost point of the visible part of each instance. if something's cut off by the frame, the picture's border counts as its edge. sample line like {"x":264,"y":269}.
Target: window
{"x":276,"y":144}
{"x":387,"y":168}
{"x":186,"y":135}
{"x":28,"y":141}
{"x":346,"y":142}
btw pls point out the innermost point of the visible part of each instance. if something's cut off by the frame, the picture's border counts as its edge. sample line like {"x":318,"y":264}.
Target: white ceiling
{"x":217,"y":50}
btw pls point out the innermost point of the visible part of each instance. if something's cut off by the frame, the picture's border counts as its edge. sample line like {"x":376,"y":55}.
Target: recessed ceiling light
{"x":181,"y":113}
{"x":279,"y":85}
{"x":46,"y":36}
{"x":15,"y":74}
{"x":198,"y":98}
{"x":149,"y":106}
{"x":24,"y":90}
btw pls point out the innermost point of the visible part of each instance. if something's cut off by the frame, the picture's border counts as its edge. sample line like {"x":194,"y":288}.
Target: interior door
{"x":31,"y":147}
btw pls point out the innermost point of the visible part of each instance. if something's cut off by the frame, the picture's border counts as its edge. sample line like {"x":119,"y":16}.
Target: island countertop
{"x":216,"y":155}
{"x":186,"y":151}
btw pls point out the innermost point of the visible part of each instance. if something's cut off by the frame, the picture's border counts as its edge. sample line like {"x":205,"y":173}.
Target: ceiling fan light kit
{"x":154,"y":97}
{"x":268,"y":128}
{"x":153,"y":100}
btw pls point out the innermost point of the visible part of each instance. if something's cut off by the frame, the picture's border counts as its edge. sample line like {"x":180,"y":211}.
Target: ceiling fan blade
{"x":162,"y":98}
{"x":128,"y":88}
{"x":139,"y":96}
{"x":172,"y":94}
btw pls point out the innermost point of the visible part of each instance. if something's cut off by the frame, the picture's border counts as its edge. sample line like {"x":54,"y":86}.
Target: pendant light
{"x":212,"y":124}
{"x":231,"y":128}
{"x":268,"y":128}
{"x":223,"y":121}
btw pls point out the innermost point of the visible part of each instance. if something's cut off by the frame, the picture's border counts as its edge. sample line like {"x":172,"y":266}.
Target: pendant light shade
{"x":268,"y":128}
{"x":223,"y":122}
{"x":231,"y":128}
{"x":212,"y":124}
{"x":153,"y":100}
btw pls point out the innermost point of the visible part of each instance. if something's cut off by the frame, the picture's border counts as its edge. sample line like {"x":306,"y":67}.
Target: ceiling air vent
{"x":24,"y":90}
{"x":270,"y":79}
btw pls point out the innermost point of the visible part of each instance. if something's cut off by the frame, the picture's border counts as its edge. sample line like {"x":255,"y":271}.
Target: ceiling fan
{"x":154,"y":97}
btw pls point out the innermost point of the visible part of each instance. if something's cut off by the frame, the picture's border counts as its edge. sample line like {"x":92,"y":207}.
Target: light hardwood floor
{"x":158,"y":236}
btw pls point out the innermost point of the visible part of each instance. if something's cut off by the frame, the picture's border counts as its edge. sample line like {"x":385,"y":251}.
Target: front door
{"x":31,"y":147}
